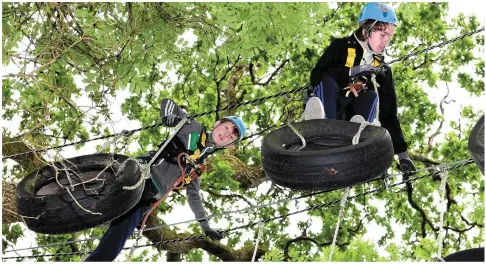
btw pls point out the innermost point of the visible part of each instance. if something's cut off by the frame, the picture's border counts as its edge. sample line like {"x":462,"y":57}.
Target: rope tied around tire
{"x":145,"y":175}
{"x":146,"y":170}
{"x":77,"y":193}
{"x":299,"y":135}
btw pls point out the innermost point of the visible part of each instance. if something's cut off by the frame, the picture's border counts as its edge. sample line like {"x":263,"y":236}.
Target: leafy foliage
{"x":78,"y":61}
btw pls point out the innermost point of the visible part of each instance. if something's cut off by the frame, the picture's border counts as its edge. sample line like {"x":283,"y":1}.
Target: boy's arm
{"x":197,"y":208}
{"x":170,"y":112}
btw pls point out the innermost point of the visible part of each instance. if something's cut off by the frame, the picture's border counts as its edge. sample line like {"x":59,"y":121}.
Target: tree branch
{"x":415,"y":206}
{"x":252,"y":75}
{"x":228,"y":196}
{"x":423,"y":159}
{"x":9,"y":208}
{"x":215,"y":248}
{"x":437,"y":132}
{"x":306,"y":238}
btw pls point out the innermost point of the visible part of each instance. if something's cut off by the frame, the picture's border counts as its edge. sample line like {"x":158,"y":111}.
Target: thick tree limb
{"x":306,"y":238}
{"x":228,"y":196}
{"x":425,"y":219}
{"x":9,"y":208}
{"x":215,"y":248}
{"x":427,"y":161}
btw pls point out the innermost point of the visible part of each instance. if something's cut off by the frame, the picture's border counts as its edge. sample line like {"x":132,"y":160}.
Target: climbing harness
{"x":356,"y":85}
{"x":146,"y":174}
{"x":196,"y":171}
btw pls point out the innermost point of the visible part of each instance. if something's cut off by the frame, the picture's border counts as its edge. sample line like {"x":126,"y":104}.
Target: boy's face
{"x":380,"y":39}
{"x":224,"y":133}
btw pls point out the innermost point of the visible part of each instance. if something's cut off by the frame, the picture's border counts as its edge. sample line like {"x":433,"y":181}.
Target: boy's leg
{"x":365,"y":105}
{"x":328,"y":92}
{"x":117,"y":234}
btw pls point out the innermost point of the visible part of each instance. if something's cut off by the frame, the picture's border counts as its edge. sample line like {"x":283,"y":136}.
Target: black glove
{"x":361,"y":69}
{"x":406,"y":166}
{"x":145,"y":158}
{"x":171,"y":120}
{"x":214,"y":235}
{"x":381,"y":70}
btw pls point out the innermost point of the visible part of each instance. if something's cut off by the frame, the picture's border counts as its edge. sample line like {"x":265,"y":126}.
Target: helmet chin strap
{"x":368,"y":36}
{"x":369,"y":46}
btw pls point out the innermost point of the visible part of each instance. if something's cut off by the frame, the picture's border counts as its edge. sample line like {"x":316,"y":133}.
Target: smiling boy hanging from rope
{"x":179,"y":166}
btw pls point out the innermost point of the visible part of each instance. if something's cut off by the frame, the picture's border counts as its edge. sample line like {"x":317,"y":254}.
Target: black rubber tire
{"x":329,"y":160}
{"x":467,"y":255}
{"x":476,"y":144}
{"x":48,"y":208}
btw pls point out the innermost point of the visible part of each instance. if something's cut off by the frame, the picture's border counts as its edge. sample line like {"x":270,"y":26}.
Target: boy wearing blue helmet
{"x":351,"y":78}
{"x":198,"y":143}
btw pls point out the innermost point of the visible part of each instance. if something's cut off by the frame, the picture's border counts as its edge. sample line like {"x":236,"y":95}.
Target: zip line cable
{"x":125,"y":133}
{"x":436,"y":46}
{"x":382,"y":188}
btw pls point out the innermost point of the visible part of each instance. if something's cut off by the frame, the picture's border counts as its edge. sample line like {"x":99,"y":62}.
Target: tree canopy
{"x":75,"y":59}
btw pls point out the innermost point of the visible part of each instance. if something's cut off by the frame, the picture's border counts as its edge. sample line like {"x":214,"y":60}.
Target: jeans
{"x":117,"y":234}
{"x":336,"y":104}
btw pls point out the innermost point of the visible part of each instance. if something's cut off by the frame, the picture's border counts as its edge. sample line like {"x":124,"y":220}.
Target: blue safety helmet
{"x":379,"y":12}
{"x":240,"y":126}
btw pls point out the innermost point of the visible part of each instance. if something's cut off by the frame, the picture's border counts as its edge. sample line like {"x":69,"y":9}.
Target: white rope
{"x":260,"y":231}
{"x":132,"y":249}
{"x":376,"y":85}
{"x":442,"y":211}
{"x":299,"y":135}
{"x":32,"y":217}
{"x":358,"y":134}
{"x":341,"y":216}
{"x":145,"y":174}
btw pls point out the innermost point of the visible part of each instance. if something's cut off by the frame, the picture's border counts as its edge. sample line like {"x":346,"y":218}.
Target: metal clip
{"x":384,"y":180}
{"x":126,"y":133}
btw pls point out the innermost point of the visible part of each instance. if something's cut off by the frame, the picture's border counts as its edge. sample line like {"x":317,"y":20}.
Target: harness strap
{"x":178,"y":184}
